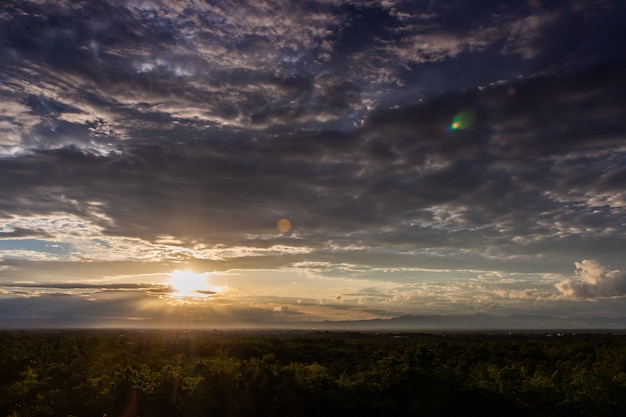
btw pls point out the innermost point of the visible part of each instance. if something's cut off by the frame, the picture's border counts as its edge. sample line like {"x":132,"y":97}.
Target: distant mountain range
{"x":477,"y":322}
{"x":409,"y":323}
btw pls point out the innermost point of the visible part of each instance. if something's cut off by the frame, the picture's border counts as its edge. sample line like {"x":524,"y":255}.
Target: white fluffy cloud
{"x":594,"y":281}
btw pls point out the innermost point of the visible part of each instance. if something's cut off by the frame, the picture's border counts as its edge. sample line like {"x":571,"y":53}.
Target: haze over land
{"x":220,"y":163}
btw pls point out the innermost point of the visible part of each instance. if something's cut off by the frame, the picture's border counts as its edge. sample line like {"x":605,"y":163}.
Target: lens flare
{"x":283,"y":225}
{"x":462,"y":120}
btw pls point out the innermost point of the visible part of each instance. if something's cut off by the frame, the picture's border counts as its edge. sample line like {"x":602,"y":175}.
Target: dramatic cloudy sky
{"x":310,"y":160}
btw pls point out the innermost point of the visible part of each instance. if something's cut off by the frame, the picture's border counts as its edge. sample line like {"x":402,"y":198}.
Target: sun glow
{"x":186,"y":284}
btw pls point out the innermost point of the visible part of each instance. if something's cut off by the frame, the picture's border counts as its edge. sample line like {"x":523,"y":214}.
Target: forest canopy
{"x":177,"y":373}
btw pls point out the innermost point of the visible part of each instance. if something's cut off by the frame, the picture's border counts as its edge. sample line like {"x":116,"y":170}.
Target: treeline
{"x":313,"y":374}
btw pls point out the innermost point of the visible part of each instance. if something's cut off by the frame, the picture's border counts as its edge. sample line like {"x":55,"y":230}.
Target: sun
{"x":189,"y":284}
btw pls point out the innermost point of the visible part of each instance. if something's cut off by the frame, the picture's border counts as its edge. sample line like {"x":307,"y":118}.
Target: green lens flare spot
{"x":462,"y":120}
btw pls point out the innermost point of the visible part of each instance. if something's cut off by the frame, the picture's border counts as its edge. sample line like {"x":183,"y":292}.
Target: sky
{"x":230,"y":163}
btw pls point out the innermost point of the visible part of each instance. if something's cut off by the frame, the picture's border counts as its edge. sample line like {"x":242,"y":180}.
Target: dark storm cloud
{"x":95,"y":72}
{"x":531,"y":176}
{"x":146,"y":65}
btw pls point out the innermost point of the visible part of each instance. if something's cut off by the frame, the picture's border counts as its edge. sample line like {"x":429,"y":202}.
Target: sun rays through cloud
{"x":191,"y":286}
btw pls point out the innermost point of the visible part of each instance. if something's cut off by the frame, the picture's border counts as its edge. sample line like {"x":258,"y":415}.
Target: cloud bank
{"x":594,"y":281}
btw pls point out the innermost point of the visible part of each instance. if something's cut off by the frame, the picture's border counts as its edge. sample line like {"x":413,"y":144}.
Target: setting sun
{"x":188,"y":284}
